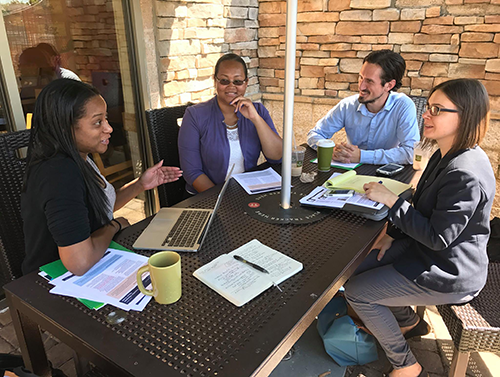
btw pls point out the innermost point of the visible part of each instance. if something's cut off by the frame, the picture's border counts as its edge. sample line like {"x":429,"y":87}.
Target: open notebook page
{"x":238,"y":282}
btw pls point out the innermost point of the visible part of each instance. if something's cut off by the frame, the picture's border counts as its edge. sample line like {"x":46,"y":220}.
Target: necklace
{"x":231,"y":127}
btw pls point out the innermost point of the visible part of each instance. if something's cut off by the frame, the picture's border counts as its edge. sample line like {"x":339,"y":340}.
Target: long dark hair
{"x":57,"y":109}
{"x":472,"y":101}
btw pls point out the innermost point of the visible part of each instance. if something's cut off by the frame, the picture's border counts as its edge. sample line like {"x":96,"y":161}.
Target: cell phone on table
{"x":389,"y":169}
{"x":341,"y":193}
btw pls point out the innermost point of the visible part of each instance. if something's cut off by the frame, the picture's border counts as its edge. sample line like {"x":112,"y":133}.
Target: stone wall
{"x":439,"y":39}
{"x":92,"y":26}
{"x":192,"y":35}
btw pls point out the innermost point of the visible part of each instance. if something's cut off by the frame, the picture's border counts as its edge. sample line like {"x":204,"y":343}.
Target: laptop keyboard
{"x":186,"y":229}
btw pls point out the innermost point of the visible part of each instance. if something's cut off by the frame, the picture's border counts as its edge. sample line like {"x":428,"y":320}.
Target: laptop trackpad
{"x":158,"y":229}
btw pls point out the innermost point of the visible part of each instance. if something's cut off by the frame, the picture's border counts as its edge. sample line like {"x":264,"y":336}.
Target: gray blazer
{"x":448,"y":223}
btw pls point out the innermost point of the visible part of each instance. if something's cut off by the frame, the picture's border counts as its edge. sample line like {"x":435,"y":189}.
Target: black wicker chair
{"x":163,"y":131}
{"x":475,"y":326}
{"x":12,"y":169}
{"x":420,"y":103}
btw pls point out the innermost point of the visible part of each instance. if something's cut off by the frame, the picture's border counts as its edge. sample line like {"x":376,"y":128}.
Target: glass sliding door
{"x":80,"y":40}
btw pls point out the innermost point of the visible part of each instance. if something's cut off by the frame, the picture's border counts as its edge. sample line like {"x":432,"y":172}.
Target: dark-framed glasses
{"x":435,"y":110}
{"x":226,"y":82}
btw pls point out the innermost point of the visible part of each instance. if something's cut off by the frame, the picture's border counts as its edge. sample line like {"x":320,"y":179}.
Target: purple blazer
{"x":203,"y":144}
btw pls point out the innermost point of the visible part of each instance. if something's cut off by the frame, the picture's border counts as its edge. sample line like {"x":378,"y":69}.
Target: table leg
{"x":81,"y":364}
{"x":30,"y":341}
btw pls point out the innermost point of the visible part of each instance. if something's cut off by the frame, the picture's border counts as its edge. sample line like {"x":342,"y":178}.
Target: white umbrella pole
{"x":290,"y":48}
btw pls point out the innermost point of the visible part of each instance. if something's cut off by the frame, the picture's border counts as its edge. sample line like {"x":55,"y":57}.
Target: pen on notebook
{"x":256,"y":266}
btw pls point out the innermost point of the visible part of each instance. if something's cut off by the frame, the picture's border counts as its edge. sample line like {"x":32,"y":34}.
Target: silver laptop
{"x":179,"y":229}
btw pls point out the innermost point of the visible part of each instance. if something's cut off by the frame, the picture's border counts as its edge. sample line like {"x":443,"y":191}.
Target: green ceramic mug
{"x":165,"y":271}
{"x":325,"y":152}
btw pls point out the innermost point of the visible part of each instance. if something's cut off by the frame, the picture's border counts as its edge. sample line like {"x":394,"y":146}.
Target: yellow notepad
{"x":351,"y":181}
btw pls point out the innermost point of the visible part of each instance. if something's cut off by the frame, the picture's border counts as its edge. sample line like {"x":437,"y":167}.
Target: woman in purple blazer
{"x":228,"y":129}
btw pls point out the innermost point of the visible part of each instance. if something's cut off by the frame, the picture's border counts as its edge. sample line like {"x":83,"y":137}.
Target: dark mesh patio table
{"x":203,"y":334}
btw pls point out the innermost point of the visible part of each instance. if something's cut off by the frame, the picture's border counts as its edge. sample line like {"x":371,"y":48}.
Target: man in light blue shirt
{"x":381,"y":125}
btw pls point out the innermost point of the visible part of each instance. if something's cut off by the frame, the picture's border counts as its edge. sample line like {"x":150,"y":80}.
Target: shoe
{"x":421,"y":329}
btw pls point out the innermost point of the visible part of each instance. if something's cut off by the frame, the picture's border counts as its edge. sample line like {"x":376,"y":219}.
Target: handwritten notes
{"x":240,"y":283}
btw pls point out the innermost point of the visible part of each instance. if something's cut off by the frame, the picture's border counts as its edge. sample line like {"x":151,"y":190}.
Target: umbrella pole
{"x":290,"y":49}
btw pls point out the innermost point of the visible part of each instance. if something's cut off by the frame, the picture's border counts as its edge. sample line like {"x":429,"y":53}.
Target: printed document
{"x":319,"y":197}
{"x":111,"y":281}
{"x":257,"y":182}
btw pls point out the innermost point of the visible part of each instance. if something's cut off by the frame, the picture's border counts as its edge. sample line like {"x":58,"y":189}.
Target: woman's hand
{"x":158,"y":175}
{"x":245,"y":107}
{"x":382,"y":243}
{"x":379,"y":193}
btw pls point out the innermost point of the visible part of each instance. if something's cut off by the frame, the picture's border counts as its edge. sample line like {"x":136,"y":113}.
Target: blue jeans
{"x":381,"y":297}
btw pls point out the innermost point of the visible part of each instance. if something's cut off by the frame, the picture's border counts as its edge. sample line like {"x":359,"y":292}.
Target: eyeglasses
{"x":434,"y":110}
{"x":226,"y":82}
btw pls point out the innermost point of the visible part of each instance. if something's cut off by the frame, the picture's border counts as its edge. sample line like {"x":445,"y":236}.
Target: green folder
{"x":56,"y":269}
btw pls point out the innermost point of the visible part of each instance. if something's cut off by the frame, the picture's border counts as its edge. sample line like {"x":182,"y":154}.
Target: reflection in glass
{"x":51,"y":39}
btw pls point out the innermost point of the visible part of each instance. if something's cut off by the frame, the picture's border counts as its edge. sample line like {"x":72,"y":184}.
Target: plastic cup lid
{"x":326,"y":143}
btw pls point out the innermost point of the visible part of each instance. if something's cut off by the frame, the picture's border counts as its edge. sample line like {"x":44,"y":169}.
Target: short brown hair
{"x":393,"y":66}
{"x":472,"y":101}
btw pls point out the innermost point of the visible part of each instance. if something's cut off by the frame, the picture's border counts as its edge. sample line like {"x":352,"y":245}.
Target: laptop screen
{"x":217,"y":205}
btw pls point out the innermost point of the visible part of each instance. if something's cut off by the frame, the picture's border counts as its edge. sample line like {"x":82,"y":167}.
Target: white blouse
{"x":235,"y":154}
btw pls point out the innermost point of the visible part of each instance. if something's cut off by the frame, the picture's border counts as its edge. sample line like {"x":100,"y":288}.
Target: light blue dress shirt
{"x":383,"y":137}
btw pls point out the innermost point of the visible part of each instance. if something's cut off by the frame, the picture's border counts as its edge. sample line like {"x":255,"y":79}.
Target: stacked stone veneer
{"x":192,"y":35}
{"x":439,"y":39}
{"x":92,"y":25}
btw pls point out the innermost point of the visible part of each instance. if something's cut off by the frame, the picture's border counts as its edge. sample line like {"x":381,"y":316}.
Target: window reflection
{"x":74,"y":39}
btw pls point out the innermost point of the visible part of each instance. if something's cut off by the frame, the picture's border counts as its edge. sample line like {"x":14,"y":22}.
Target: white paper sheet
{"x":319,"y":198}
{"x":257,"y":182}
{"x":342,"y":165}
{"x":111,"y":281}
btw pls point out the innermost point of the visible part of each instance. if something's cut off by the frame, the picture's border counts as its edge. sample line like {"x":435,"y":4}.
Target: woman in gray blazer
{"x":434,"y":251}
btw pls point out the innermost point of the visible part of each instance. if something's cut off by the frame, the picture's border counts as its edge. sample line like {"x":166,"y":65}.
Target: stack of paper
{"x":341,"y":165}
{"x":111,"y":281}
{"x":351,"y":181}
{"x":319,"y":197}
{"x":257,"y":182}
